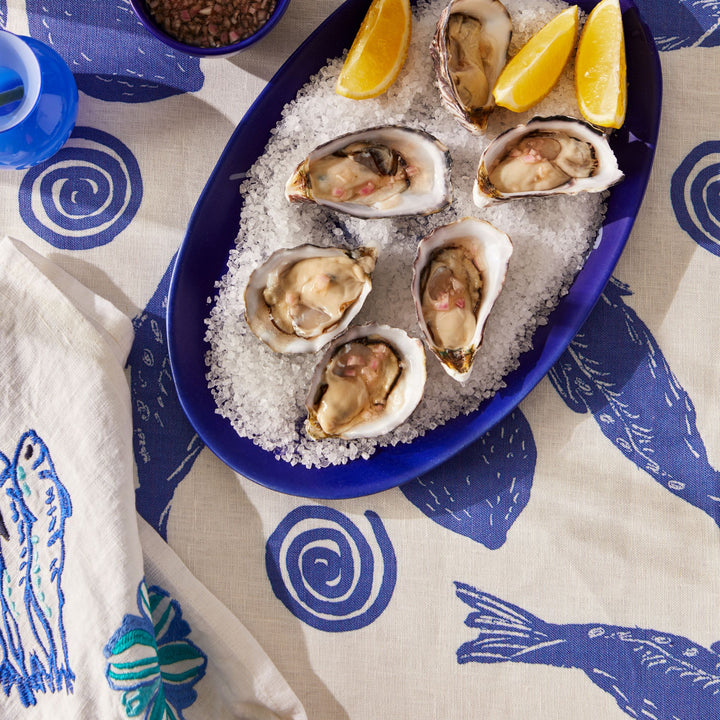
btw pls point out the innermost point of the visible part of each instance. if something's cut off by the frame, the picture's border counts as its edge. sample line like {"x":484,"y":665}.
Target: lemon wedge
{"x":600,"y":70}
{"x":378,"y":52}
{"x":533,"y":72}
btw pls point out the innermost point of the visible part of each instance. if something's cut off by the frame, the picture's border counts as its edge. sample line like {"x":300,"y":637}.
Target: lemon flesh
{"x":600,"y":70}
{"x":531,"y":74}
{"x":378,"y":51}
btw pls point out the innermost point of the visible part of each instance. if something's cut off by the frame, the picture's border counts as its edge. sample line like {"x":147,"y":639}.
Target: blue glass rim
{"x":202,"y":259}
{"x":145,"y":18}
{"x":45,"y":128}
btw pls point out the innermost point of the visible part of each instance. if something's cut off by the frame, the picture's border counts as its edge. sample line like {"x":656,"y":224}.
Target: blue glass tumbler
{"x":38,"y":101}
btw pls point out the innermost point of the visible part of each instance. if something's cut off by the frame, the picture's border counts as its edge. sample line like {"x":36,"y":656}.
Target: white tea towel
{"x":99,"y":618}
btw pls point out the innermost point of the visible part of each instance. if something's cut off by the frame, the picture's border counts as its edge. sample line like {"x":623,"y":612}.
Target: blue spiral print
{"x":695,"y":195}
{"x":323,"y":569}
{"x":682,"y":23}
{"x":115,"y":58}
{"x":3,"y":13}
{"x":650,"y":674}
{"x":85,"y":195}
{"x":481,"y":491}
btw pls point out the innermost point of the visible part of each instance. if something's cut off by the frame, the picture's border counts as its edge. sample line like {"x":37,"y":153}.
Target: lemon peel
{"x":533,"y":72}
{"x":378,"y":51}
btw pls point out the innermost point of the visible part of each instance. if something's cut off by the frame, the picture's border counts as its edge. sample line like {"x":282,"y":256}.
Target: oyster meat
{"x":303,"y":297}
{"x":469,"y":51}
{"x":458,"y":273}
{"x":369,"y":381}
{"x":379,"y":172}
{"x":547,"y":156}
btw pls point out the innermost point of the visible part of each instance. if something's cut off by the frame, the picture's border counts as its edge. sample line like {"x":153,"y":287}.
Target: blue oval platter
{"x":202,"y":260}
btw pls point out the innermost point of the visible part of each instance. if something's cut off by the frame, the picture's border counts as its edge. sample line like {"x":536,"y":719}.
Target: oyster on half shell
{"x":458,"y":273}
{"x":383,"y":171}
{"x":368,"y":382}
{"x":469,"y":51}
{"x":547,"y":156}
{"x":303,"y":297}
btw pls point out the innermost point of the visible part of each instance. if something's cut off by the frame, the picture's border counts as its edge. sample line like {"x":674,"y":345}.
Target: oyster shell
{"x":469,"y":51}
{"x":548,"y":156}
{"x":383,"y":171}
{"x":303,"y":297}
{"x":368,"y":382}
{"x":458,"y":273}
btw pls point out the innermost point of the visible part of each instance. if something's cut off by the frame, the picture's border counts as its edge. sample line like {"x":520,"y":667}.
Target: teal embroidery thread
{"x":151,"y":661}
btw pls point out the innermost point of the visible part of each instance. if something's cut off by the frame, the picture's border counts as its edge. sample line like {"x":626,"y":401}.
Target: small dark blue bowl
{"x":224,"y":51}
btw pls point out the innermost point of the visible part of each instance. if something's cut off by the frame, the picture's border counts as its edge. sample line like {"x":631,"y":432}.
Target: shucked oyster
{"x":302,"y":297}
{"x":469,"y":51}
{"x":458,"y":273}
{"x":369,"y":381}
{"x":548,"y":156}
{"x":379,"y":172}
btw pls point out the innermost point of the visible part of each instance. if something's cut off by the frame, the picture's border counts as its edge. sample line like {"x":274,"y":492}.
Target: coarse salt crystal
{"x":262,"y":393}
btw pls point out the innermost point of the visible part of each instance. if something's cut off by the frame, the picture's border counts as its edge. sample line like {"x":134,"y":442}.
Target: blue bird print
{"x":165,"y":443}
{"x":682,"y":23}
{"x":650,"y":674}
{"x":615,"y":369}
{"x":34,"y":505}
{"x":481,"y":491}
{"x":115,"y":58}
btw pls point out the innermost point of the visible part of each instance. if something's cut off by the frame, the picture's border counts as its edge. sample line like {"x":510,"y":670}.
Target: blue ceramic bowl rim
{"x":142,"y":14}
{"x":198,"y":265}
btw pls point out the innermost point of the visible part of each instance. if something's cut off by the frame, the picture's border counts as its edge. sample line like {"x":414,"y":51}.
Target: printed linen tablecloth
{"x":580,"y":580}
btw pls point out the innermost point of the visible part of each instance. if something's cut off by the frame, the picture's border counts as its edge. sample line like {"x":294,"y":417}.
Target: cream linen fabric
{"x":80,"y":570}
{"x":606,"y":570}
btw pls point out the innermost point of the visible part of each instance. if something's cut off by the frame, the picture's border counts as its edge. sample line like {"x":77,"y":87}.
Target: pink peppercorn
{"x":208,"y":23}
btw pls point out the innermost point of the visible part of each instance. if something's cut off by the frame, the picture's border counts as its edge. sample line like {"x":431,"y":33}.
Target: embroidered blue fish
{"x":114,"y":58}
{"x":34,"y":506}
{"x":482,"y":490}
{"x":13,"y":665}
{"x":27,"y":643}
{"x":165,"y":443}
{"x":615,"y":369}
{"x":682,"y":23}
{"x":650,"y":674}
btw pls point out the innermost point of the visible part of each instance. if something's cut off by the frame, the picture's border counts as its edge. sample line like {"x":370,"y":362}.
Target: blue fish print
{"x":34,"y":506}
{"x":615,"y":369}
{"x":115,"y":58}
{"x":482,"y":490}
{"x":164,"y":442}
{"x":682,"y":23}
{"x":650,"y":674}
{"x":695,"y":195}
